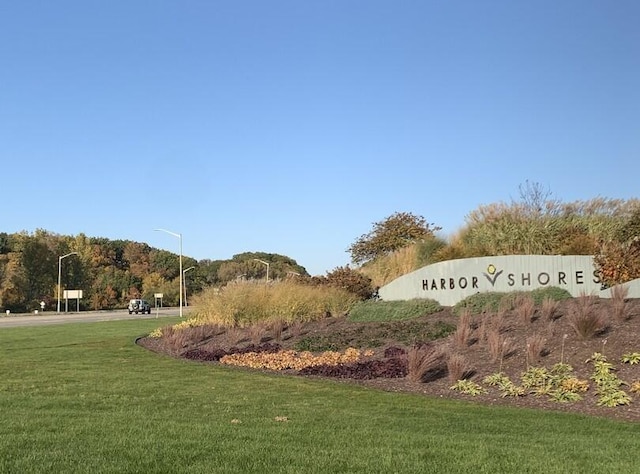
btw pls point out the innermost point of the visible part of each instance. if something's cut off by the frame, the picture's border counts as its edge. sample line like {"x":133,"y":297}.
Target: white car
{"x":139,"y":306}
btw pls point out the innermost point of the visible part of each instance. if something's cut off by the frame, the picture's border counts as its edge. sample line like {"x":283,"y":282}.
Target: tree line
{"x":110,"y":272}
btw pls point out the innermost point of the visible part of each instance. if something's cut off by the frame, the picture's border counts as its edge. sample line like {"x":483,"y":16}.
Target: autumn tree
{"x":345,"y":278}
{"x":393,"y":233}
{"x":13,"y":284}
{"x":618,"y":262}
{"x":351,"y":280}
{"x":137,"y":254}
{"x":619,"y":259}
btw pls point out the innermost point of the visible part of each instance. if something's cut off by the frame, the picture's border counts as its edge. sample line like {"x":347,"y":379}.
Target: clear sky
{"x":292,"y":126}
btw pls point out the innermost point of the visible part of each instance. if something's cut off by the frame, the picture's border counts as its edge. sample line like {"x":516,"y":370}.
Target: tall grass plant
{"x":246,"y":303}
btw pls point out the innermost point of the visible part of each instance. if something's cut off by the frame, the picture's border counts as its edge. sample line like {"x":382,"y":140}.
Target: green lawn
{"x":84,"y":398}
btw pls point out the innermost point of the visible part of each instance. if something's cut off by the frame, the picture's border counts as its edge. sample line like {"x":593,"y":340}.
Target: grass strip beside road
{"x":84,"y":398}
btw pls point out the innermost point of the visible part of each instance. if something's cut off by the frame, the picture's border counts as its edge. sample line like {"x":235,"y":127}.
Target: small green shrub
{"x":370,"y":310}
{"x":512,"y":390}
{"x":536,"y":379}
{"x":317,"y":344}
{"x":441,"y":330}
{"x":607,"y":382}
{"x":480,"y":302}
{"x":493,"y":301}
{"x":614,"y":398}
{"x":552,"y":292}
{"x":564,"y":396}
{"x":496,"y":380}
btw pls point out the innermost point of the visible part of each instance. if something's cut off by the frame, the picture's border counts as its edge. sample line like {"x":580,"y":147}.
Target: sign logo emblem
{"x":492,"y":275}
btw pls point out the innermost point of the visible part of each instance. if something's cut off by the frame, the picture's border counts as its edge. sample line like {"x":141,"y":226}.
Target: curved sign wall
{"x":454,"y":280}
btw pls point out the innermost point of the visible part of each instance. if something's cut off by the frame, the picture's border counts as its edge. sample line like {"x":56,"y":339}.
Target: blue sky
{"x":292,"y":126}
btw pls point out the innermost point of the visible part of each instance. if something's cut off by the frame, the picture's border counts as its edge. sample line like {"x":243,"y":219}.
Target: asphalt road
{"x":42,"y":319}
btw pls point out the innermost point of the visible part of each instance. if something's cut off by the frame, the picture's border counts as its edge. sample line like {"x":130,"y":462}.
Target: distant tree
{"x":13,"y":287}
{"x":137,"y":254}
{"x":208,"y":271}
{"x":38,"y":265}
{"x":151,"y":284}
{"x":279,"y":265}
{"x":166,"y":264}
{"x":5,"y":244}
{"x":232,"y":270}
{"x":393,"y":233}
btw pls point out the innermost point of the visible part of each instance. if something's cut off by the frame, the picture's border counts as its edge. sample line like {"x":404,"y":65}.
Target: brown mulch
{"x":618,"y":336}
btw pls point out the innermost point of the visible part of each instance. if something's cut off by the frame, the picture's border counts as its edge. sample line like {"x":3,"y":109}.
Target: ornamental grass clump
{"x":499,"y":346}
{"x":618,"y":300}
{"x":457,"y":367}
{"x":256,"y":332}
{"x":176,"y":339}
{"x":584,"y":317}
{"x":462,"y":334}
{"x":395,"y":264}
{"x":549,"y":309}
{"x":423,"y":359}
{"x":500,"y":316}
{"x":277,"y":327}
{"x":525,"y":308}
{"x":535,"y":348}
{"x":244,"y":303}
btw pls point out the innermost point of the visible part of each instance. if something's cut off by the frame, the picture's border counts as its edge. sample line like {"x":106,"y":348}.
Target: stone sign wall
{"x":454,"y":280}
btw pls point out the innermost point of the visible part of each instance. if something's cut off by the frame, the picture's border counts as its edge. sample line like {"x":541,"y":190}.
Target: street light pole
{"x":185,"y":284}
{"x":60,"y":274}
{"x":179,"y":236}
{"x":267,"y":264}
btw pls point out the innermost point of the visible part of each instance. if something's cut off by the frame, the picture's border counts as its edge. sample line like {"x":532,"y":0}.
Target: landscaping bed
{"x":386,"y":355}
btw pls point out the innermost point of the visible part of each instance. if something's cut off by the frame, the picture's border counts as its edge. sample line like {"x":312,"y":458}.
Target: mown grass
{"x":85,"y":398}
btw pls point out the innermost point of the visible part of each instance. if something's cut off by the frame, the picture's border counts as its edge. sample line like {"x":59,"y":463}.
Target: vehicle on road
{"x":139,"y":306}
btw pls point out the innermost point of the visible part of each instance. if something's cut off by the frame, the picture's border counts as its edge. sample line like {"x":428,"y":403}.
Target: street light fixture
{"x":60,"y":274}
{"x":179,"y":236}
{"x":267,"y":264}
{"x":185,"y":284}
